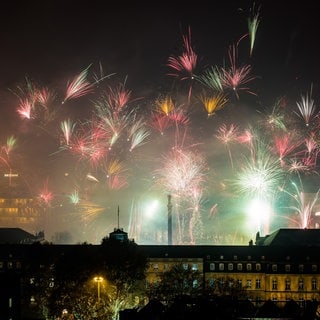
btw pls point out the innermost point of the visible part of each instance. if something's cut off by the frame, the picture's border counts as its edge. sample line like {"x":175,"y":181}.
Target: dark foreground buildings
{"x":277,"y":269}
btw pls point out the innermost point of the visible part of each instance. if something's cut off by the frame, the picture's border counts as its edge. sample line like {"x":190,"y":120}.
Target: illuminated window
{"x":258,"y":284}
{"x":287,"y":267}
{"x":194,"y":267}
{"x":239,"y":281}
{"x":211,"y":282}
{"x":221,"y":266}
{"x":249,"y":283}
{"x":249,"y":266}
{"x":212,"y":267}
{"x":155,"y":267}
{"x":288,"y":284}
{"x":185,"y":266}
{"x":300,"y":284}
{"x":230,"y":266}
{"x":314,"y":284}
{"x":258,"y":267}
{"x":300,"y":267}
{"x":239,"y":266}
{"x":195,"y":283}
{"x":274,"y":284}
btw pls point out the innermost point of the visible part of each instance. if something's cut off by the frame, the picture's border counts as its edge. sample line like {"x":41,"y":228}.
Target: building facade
{"x":285,"y":266}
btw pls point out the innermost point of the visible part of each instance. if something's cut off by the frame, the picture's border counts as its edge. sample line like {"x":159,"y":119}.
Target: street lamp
{"x":98,"y":280}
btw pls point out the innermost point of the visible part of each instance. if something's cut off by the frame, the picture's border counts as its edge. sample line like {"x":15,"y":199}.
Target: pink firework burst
{"x":236,"y":77}
{"x":185,"y":64}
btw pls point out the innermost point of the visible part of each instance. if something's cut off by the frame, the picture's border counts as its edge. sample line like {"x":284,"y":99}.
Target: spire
{"x":118,"y":217}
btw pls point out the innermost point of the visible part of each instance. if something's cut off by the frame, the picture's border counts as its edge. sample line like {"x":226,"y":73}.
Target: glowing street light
{"x":98,"y":280}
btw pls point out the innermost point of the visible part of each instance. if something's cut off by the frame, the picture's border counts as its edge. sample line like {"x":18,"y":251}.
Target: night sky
{"x":49,"y":42}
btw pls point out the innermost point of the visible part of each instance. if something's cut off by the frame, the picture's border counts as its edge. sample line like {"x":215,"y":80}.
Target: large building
{"x":283,"y":266}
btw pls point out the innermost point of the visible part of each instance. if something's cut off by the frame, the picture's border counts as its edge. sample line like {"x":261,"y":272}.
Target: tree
{"x":124,"y":266}
{"x":180,"y":280}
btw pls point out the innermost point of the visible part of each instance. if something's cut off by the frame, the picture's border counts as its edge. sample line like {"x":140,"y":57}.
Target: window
{"x":274,"y":284}
{"x":239,"y":266}
{"x":221,"y":257}
{"x":287,"y":267}
{"x":249,"y":266}
{"x":194,"y":267}
{"x":300,"y":268}
{"x":274,"y":268}
{"x":258,"y":284}
{"x":258,"y":267}
{"x":235,"y":257}
{"x":195,"y":283}
{"x":18,"y":265}
{"x":185,"y":266}
{"x":314,"y":268}
{"x":288,"y":284}
{"x":1,"y":264}
{"x":239,"y":283}
{"x":230,"y":266}
{"x":155,"y":267}
{"x":10,"y":264}
{"x":165,"y":267}
{"x":300,"y":284}
{"x":211,"y":282}
{"x":212,"y":267}
{"x":249,"y":283}
{"x":314,"y":284}
{"x":221,"y":266}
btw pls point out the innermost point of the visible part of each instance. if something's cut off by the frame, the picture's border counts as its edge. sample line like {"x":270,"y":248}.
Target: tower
{"x":169,"y":220}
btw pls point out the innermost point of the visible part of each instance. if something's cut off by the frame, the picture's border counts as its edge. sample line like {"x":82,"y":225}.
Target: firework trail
{"x":165,"y":105}
{"x":306,"y":107}
{"x":212,"y":79}
{"x":227,"y":136}
{"x":185,"y":64}
{"x":160,"y":122}
{"x":116,"y":174}
{"x":234,"y":77}
{"x":182,"y":172}
{"x":78,"y":86}
{"x":45,"y":194}
{"x":24,"y":109}
{"x":303,"y":208}
{"x":284,"y":146}
{"x":213,"y":103}
{"x":67,"y":127}
{"x":259,"y":176}
{"x":138,"y":138}
{"x":253,"y":23}
{"x":275,"y":119}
